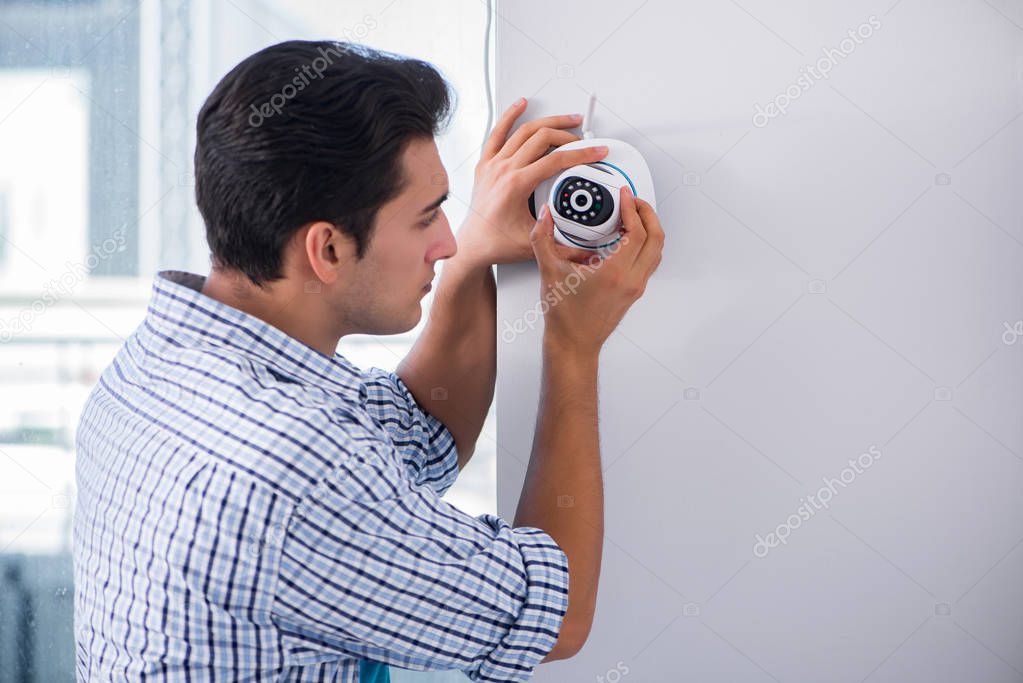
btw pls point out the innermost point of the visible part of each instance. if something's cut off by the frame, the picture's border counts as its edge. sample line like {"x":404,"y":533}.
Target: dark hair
{"x":304,"y":131}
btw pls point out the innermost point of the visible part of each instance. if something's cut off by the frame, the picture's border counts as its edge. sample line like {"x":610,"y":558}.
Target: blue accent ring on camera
{"x":631,"y":186}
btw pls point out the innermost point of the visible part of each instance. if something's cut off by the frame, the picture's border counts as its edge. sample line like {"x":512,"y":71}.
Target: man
{"x":252,"y":506}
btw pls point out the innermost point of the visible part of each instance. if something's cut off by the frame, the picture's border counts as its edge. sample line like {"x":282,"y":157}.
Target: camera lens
{"x":581,"y":200}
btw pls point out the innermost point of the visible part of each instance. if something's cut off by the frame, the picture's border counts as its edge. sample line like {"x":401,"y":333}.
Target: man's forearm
{"x":563,"y":492}
{"x":452,"y":365}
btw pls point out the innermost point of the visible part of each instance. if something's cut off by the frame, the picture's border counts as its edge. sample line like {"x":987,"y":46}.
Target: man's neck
{"x":274,"y":304}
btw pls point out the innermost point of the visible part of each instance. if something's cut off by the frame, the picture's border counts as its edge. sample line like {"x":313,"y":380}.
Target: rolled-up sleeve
{"x":376,"y":566}
{"x":425,"y":443}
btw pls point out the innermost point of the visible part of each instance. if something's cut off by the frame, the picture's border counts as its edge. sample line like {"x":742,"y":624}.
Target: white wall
{"x":834,"y":281}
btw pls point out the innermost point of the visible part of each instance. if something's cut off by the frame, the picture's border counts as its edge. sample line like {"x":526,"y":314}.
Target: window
{"x":98,"y":100}
{"x":4,"y":226}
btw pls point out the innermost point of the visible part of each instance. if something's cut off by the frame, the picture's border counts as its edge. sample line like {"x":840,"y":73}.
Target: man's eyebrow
{"x":437,"y":202}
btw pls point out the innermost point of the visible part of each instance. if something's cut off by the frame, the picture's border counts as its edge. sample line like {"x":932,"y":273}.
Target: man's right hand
{"x":587,"y":295}
{"x":563,"y":490}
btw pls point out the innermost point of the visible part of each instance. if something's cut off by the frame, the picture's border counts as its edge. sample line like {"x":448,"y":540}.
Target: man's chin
{"x":402,"y":326}
{"x":417,"y":315}
{"x":384,"y":326}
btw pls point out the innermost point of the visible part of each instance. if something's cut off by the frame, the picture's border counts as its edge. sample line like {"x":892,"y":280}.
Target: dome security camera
{"x":585,"y":199}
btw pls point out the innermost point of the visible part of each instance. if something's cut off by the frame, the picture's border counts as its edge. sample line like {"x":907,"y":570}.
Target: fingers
{"x":499,"y":134}
{"x":632,"y":227}
{"x":538,"y":144}
{"x":542,"y":237}
{"x":555,"y":162}
{"x":649,"y":256}
{"x":549,"y":252}
{"x":574,"y":254}
{"x":526,"y":130}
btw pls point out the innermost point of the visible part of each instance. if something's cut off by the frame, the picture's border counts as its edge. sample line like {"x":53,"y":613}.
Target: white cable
{"x":486,"y":72}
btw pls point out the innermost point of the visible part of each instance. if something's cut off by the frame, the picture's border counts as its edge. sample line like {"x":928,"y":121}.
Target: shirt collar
{"x":181,"y":311}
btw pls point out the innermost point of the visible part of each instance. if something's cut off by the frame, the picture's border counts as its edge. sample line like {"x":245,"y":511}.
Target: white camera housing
{"x":585,"y":200}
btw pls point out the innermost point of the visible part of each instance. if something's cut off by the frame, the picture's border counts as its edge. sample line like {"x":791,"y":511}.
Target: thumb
{"x":551,"y":252}
{"x":542,"y":236}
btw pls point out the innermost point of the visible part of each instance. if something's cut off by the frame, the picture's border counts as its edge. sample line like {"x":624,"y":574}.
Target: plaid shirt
{"x":250,"y":509}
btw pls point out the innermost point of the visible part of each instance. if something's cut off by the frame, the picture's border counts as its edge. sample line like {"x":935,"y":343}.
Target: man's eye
{"x":431,"y":219}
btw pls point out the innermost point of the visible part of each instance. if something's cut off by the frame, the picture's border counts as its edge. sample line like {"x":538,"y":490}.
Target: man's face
{"x":410,"y":234}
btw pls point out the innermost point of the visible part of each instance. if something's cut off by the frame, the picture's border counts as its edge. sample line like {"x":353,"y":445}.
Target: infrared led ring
{"x":583,"y":201}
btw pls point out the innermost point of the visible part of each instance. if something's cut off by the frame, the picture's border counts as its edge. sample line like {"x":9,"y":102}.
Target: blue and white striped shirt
{"x":250,"y":509}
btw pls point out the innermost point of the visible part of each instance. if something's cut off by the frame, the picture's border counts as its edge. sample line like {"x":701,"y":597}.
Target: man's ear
{"x":327,"y":250}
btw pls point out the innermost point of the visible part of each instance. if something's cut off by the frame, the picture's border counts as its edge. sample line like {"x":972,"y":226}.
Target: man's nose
{"x":450,"y":245}
{"x":453,"y":246}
